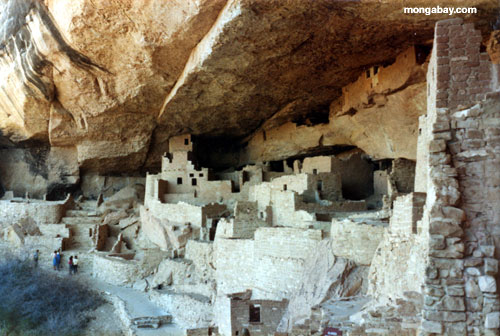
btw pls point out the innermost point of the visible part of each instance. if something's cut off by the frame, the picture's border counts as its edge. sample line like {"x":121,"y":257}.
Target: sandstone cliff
{"x":111,"y":81}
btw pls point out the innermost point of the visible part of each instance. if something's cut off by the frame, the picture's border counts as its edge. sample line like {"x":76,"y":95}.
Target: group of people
{"x":56,"y":261}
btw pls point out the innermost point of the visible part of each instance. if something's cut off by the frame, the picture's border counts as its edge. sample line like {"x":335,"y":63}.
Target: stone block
{"x":488,"y":250}
{"x":474,"y":304}
{"x":445,"y":316}
{"x":487,"y":284}
{"x":492,"y":320}
{"x":433,"y":327}
{"x":446,"y":228}
{"x":437,"y":146}
{"x":490,"y":266}
{"x":457,"y":290}
{"x":437,"y":242}
{"x":451,"y":303}
{"x":456,"y":329}
{"x":448,"y":253}
{"x":478,"y":254}
{"x":436,"y":291}
{"x":429,"y":301}
{"x":490,"y":304}
{"x":474,"y":271}
{"x":431,"y":272}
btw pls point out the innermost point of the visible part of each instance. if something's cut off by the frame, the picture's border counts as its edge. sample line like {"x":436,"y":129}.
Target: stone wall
{"x":118,"y":271}
{"x":270,"y":265}
{"x":279,"y":256}
{"x":356,"y":173}
{"x":408,"y":210}
{"x":399,"y":262}
{"x":184,"y":212}
{"x":403,"y":175}
{"x":202,"y":256}
{"x":461,"y":179}
{"x":283,"y":202}
{"x":234,"y":264}
{"x":42,"y":212}
{"x":356,"y":241}
{"x":247,"y":219}
{"x":270,"y":314}
{"x":376,"y":81}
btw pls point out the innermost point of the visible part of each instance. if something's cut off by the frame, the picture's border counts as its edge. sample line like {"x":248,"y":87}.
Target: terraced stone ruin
{"x":252,"y":167}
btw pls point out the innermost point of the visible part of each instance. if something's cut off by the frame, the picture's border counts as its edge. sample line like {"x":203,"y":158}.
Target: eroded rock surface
{"x":79,"y":74}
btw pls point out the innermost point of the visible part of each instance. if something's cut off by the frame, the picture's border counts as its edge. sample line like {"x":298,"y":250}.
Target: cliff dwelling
{"x":251,"y":167}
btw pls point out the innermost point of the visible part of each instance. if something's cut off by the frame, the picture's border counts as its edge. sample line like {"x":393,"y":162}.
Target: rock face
{"x":41,"y":170}
{"x":78,"y":74}
{"x":325,"y":277}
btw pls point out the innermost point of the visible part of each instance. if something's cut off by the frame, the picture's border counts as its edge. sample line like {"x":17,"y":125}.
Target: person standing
{"x":75,"y":265}
{"x":54,"y":260}
{"x":35,"y":257}
{"x":70,"y":264}
{"x":58,"y":261}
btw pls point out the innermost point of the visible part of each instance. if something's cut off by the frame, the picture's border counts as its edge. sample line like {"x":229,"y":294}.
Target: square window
{"x":254,"y":314}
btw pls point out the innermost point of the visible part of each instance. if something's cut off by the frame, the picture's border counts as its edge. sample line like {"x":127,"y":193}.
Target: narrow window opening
{"x":179,"y":180}
{"x":213,"y":230}
{"x":315,"y":171}
{"x":367,"y":73}
{"x":193,"y":182}
{"x":320,"y":185}
{"x":284,"y":187}
{"x":254,"y":316}
{"x":375,"y":70}
{"x":264,"y":135}
{"x":186,"y":141}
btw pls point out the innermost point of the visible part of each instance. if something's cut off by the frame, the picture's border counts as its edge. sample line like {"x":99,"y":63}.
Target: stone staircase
{"x":81,"y":223}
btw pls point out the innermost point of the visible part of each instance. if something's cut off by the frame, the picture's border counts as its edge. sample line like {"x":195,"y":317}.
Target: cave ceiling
{"x":116,"y":79}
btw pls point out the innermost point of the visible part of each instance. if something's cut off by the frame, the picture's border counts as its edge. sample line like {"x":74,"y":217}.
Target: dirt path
{"x":137,"y":304}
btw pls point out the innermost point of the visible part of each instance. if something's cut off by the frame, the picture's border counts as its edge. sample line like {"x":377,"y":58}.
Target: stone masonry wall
{"x":270,"y":265}
{"x":461,"y":179}
{"x":356,"y":241}
{"x":399,"y":262}
{"x":43,"y":212}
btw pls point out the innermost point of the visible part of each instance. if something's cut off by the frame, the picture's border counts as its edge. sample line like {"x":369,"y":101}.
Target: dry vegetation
{"x":37,"y":302}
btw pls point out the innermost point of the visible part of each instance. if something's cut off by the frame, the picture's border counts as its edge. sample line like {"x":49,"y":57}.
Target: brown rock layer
{"x":114,"y":80}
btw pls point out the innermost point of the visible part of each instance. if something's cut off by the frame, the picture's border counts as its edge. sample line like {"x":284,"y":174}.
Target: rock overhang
{"x":225,"y":70}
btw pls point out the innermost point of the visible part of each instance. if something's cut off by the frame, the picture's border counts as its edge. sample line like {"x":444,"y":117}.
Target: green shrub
{"x":37,"y":302}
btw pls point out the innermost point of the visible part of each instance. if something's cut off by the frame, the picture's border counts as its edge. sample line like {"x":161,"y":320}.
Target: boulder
{"x":14,"y":235}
